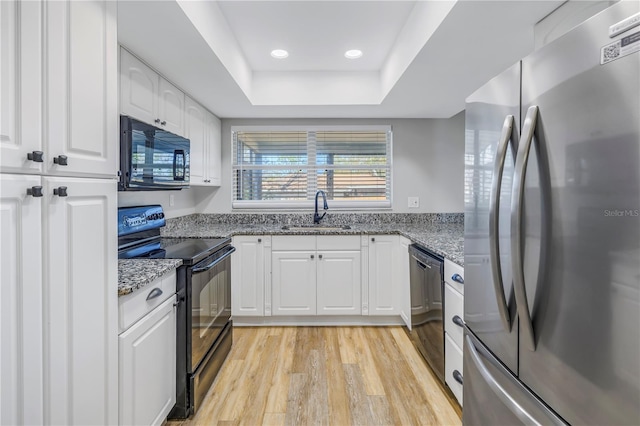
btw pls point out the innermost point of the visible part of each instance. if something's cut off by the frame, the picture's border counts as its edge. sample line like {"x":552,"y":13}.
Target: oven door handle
{"x":205,"y":268}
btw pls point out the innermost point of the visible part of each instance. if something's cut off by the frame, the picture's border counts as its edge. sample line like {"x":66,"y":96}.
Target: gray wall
{"x":428,"y":162}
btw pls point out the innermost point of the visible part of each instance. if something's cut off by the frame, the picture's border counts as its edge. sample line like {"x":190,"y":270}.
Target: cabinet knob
{"x":373,"y":240}
{"x":154,"y":293}
{"x":35,"y":191}
{"x":312,"y":256}
{"x":60,"y":160}
{"x":259,"y":240}
{"x":319,"y":256}
{"x":457,"y":278}
{"x":60,"y":191}
{"x":457,"y":376}
{"x":157,"y":121}
{"x":35,"y":156}
{"x":163,"y":123}
{"x":457,"y":321}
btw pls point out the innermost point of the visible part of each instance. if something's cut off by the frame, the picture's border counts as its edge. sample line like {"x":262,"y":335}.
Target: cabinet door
{"x":338,"y":283}
{"x":138,"y":89}
{"x":20,"y":85}
{"x":80,"y":300}
{"x":384,"y":295}
{"x":81,"y":88}
{"x":294,"y":282}
{"x":247,"y":276}
{"x":171,"y":107}
{"x":21,"y":380}
{"x":403,"y":281}
{"x":214,"y":147}
{"x":148,"y":368}
{"x":194,"y":121}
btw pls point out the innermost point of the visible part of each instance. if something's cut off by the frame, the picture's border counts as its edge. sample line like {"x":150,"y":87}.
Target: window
{"x":283,"y":167}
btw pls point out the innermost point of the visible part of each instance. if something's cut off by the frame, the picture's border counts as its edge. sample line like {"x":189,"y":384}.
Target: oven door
{"x":210,"y":302}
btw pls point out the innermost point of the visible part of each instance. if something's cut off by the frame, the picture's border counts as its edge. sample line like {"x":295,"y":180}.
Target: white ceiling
{"x":421,"y":59}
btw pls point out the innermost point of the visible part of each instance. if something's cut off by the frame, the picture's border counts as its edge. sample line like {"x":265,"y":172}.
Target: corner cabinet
{"x":385,"y":295}
{"x":204,"y":131}
{"x":250,"y":264}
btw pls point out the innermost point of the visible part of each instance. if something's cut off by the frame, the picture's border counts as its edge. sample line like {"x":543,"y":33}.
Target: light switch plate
{"x":414,"y":202}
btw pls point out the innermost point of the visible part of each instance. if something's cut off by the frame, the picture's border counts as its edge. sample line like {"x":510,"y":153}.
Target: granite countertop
{"x":134,"y":274}
{"x":445,"y":239}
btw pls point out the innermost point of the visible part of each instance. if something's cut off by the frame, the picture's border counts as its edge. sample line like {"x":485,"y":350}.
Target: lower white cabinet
{"x":148,"y":367}
{"x":453,"y":326}
{"x":404,"y":284}
{"x":59,"y":301}
{"x":385,"y":296}
{"x":250,"y":265}
{"x":311,"y":276}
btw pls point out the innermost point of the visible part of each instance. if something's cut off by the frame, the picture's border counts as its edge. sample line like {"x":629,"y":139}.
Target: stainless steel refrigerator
{"x":552,"y":232}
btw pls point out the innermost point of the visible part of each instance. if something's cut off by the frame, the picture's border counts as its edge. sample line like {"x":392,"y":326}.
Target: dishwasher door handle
{"x":420,"y":263}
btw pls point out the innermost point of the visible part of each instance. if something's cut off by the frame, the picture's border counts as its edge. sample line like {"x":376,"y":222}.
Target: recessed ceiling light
{"x":279,"y":53}
{"x":353,"y":54}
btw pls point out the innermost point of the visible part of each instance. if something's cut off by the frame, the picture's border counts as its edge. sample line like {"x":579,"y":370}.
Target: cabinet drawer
{"x":452,"y":366}
{"x":294,"y":242}
{"x":134,"y":306}
{"x":453,"y":274}
{"x":338,"y":242}
{"x":453,"y":306}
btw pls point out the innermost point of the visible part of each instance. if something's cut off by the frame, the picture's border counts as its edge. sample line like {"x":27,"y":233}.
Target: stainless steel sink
{"x":315,"y":228}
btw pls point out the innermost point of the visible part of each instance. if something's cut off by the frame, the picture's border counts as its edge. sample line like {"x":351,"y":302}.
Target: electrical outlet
{"x":414,"y":202}
{"x":172,"y":199}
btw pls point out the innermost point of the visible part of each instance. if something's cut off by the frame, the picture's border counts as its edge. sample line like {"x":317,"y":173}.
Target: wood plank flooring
{"x":325,"y":376}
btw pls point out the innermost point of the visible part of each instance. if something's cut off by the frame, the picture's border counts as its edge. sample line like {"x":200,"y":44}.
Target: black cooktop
{"x":192,"y":250}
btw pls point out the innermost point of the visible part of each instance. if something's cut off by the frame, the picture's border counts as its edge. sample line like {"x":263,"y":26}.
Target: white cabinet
{"x":316,"y":275}
{"x":385,"y":296}
{"x":147,"y":355}
{"x":248,"y":273}
{"x":20,"y":86}
{"x":404,"y":283}
{"x":204,"y":131}
{"x":80,"y":301}
{"x":21,"y":337}
{"x":453,"y":326}
{"x":148,"y":97}
{"x":72,"y":78}
{"x":294,"y":282}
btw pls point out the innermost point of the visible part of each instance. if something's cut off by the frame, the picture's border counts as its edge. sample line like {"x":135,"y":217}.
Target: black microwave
{"x":151,"y":158}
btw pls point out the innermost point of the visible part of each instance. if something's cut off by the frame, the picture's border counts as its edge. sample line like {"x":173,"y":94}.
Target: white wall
{"x":428,"y":162}
{"x":184,"y":201}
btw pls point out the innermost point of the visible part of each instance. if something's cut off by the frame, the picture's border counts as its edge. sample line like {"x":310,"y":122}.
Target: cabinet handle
{"x":312,"y":256}
{"x":61,"y":160}
{"x":154,"y":293}
{"x":163,"y":123}
{"x":319,"y":256}
{"x":457,"y":376}
{"x":157,"y":121}
{"x":373,"y":240}
{"x":36,"y":156}
{"x":457,"y":321}
{"x":457,"y":278}
{"x":259,"y":240}
{"x":60,"y":191}
{"x":35,"y":191}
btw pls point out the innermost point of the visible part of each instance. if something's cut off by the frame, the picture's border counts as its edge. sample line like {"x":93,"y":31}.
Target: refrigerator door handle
{"x":522,"y":158}
{"x":504,"y":396}
{"x":509,"y":133}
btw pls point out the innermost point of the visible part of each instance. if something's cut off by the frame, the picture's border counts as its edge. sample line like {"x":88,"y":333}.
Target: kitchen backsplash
{"x":298,"y":219}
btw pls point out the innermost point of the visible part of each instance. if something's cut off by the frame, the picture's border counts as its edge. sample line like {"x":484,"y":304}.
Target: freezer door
{"x":493,"y":396}
{"x":580,"y":228}
{"x":491,"y":139}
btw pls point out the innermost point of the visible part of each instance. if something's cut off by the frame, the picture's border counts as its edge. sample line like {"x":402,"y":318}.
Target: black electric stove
{"x":204,"y":326}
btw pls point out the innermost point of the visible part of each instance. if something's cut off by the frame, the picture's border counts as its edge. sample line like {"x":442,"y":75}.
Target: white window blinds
{"x":284,"y":167}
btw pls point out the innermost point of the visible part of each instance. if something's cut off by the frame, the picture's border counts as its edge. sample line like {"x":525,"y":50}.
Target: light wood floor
{"x":325,"y":376}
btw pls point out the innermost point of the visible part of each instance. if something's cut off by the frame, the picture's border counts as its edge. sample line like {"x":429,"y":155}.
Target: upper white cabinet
{"x":385,"y":296}
{"x":248,"y":274}
{"x":204,"y":131}
{"x":20,"y":86}
{"x":75,"y":131}
{"x":21,"y":376}
{"x":145,"y":95}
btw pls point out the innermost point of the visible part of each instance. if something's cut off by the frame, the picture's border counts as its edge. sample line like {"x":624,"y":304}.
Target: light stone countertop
{"x":134,"y":274}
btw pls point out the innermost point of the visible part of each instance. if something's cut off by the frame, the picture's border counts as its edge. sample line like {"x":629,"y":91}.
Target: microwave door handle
{"x":179,"y":153}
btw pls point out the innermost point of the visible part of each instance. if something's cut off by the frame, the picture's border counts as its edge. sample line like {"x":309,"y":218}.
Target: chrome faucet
{"x":316,"y":217}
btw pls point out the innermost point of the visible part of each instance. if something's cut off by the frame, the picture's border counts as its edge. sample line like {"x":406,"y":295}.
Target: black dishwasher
{"x":427,"y":290}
